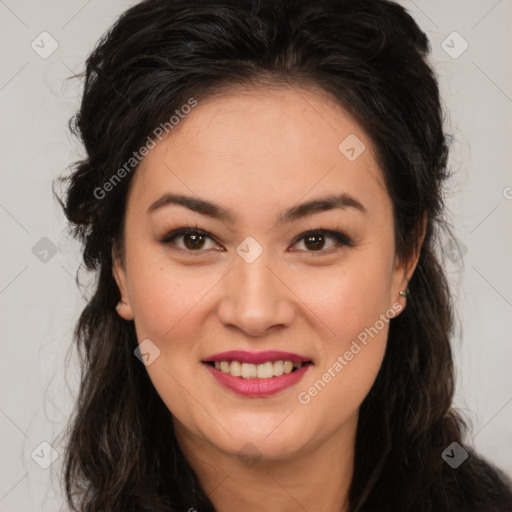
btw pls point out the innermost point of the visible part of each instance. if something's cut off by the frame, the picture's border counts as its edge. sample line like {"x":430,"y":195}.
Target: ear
{"x":123,"y":308}
{"x":405,"y":269}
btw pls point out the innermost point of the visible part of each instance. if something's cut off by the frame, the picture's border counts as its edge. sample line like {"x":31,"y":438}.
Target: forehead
{"x":245,"y":146}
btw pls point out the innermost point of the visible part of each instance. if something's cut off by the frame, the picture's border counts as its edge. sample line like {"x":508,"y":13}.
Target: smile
{"x":257,"y":374}
{"x":265,"y":370}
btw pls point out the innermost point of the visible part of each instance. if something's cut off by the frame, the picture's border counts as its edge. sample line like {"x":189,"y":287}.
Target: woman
{"x":261,"y":198}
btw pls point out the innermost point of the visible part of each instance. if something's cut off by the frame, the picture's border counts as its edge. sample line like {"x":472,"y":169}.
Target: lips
{"x":257,"y":374}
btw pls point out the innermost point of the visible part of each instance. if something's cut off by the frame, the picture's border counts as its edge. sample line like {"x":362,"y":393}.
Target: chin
{"x":279,"y":442}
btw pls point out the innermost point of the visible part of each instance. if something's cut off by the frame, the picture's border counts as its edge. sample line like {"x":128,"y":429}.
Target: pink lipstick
{"x":257,"y":374}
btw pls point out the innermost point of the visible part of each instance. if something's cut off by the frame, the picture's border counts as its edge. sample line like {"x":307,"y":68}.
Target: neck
{"x":316,"y":478}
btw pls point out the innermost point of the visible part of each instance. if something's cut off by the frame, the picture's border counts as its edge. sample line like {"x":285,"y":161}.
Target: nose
{"x":255,"y":299}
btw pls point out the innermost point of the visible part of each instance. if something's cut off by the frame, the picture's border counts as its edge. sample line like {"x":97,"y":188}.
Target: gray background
{"x":39,"y":299}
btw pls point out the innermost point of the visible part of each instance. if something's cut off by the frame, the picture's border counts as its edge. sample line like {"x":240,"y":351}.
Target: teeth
{"x":235,"y":369}
{"x":264,"y":371}
{"x":249,"y":371}
{"x":252,"y":371}
{"x":278,"y":368}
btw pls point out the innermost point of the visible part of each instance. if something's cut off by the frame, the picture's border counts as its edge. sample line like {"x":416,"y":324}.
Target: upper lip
{"x":256,"y":357}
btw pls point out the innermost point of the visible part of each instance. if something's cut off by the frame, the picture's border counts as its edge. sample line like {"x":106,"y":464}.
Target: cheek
{"x":164,"y":300}
{"x":352,"y":307}
{"x":166,"y":307}
{"x":345,"y":299}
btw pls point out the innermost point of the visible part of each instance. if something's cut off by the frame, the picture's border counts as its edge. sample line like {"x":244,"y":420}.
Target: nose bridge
{"x":253,"y":298}
{"x":255,"y":281}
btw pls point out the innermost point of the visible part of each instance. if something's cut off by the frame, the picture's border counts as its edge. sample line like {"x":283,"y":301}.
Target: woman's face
{"x":261,"y":170}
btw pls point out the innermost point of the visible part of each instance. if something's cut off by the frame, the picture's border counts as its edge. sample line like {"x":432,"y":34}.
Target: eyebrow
{"x":330,"y":202}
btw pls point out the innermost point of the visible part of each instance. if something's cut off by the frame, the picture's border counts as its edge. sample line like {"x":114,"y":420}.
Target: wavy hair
{"x":370,"y":55}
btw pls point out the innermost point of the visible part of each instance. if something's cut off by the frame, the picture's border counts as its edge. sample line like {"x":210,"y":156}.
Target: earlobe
{"x":124,"y":310}
{"x":401,"y":290}
{"x":123,"y":307}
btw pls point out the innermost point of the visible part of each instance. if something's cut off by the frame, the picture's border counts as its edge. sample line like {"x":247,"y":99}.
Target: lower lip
{"x":258,"y":387}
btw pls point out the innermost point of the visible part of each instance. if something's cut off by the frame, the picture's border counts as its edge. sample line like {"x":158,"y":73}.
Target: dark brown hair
{"x":370,"y":55}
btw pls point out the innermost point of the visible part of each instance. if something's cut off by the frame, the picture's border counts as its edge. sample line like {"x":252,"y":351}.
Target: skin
{"x":258,"y":152}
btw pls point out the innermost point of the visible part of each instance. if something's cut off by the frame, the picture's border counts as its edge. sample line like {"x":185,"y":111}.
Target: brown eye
{"x":315,"y":241}
{"x":189,"y":239}
{"x":193,"y":241}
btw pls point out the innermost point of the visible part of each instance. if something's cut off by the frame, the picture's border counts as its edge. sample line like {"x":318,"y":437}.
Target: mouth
{"x":258,"y":374}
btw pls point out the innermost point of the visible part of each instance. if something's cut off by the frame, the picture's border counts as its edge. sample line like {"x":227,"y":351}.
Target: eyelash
{"x":340,"y":238}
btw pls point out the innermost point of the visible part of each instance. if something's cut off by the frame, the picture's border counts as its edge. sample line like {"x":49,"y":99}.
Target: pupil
{"x":316,"y":240}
